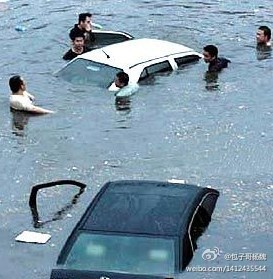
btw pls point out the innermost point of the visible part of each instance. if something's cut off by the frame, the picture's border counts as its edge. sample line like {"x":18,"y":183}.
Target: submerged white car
{"x":139,"y":58}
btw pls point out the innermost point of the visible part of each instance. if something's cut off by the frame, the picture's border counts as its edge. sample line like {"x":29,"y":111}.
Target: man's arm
{"x":39,"y":110}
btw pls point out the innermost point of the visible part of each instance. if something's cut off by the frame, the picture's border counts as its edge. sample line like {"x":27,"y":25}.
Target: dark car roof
{"x":143,"y":207}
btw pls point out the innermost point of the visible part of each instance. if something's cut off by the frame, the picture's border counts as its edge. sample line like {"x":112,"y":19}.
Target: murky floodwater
{"x":216,"y":133}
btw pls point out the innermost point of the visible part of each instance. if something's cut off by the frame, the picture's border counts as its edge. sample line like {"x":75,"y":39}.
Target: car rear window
{"x":122,"y":253}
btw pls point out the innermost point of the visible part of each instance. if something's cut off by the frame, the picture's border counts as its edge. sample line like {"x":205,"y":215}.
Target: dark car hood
{"x":79,"y":274}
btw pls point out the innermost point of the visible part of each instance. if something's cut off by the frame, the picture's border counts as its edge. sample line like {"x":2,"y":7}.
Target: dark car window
{"x":104,"y":39}
{"x":161,"y":67}
{"x":122,"y":253}
{"x":183,"y":61}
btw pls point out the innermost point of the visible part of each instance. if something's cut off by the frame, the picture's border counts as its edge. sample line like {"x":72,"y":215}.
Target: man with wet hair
{"x":122,"y":86}
{"x":20,"y":99}
{"x":77,"y":48}
{"x":84,"y":26}
{"x":216,"y":64}
{"x":121,"y":80}
{"x":263,"y":36}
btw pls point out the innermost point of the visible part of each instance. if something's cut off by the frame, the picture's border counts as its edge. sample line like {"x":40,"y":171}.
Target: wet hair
{"x":83,"y":16}
{"x":123,"y":78}
{"x":15,"y":83}
{"x":267,"y":31}
{"x":212,"y":50}
{"x":76,"y":34}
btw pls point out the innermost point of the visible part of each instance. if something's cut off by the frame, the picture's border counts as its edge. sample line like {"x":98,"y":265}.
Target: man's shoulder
{"x":224,"y":60}
{"x":75,"y":28}
{"x":219,"y":64}
{"x":69,"y":55}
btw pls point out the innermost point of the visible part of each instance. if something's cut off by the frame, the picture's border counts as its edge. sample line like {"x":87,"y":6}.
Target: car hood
{"x":82,"y":274}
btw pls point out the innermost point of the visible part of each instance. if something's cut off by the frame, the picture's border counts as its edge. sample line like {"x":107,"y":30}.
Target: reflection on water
{"x":19,"y":121}
{"x":263,"y":52}
{"x":211,"y":79}
{"x":123,"y":104}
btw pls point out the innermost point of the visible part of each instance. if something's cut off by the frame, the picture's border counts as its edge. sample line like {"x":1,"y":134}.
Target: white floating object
{"x":173,"y":180}
{"x":33,"y":237}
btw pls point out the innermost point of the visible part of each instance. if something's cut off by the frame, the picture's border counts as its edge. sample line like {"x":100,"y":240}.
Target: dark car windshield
{"x":85,"y":72}
{"x":124,"y":254}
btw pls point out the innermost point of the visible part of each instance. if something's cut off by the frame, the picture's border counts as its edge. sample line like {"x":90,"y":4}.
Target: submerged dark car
{"x":137,"y":229}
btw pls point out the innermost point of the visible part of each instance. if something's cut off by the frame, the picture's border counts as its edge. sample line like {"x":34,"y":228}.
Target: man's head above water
{"x":263,"y":36}
{"x":121,"y":80}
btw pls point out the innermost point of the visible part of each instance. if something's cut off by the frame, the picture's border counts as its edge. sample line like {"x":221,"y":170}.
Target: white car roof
{"x":129,"y":53}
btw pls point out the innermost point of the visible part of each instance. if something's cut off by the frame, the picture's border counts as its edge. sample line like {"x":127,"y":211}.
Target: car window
{"x":151,"y":70}
{"x":84,"y":72}
{"x":104,"y":39}
{"x":183,"y":61}
{"x":120,"y":253}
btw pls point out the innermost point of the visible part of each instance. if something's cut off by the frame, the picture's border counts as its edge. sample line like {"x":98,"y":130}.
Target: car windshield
{"x":85,"y":72}
{"x":119,"y":253}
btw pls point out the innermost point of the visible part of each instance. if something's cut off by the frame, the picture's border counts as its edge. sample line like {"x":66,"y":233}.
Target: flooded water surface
{"x":213,"y":132}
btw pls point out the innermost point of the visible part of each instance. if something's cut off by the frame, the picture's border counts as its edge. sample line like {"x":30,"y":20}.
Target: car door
{"x":104,"y":38}
{"x":200,"y":220}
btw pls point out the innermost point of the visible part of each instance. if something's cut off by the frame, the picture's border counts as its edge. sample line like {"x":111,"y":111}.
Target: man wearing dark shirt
{"x":77,"y":46}
{"x":216,"y":64}
{"x":84,"y":26}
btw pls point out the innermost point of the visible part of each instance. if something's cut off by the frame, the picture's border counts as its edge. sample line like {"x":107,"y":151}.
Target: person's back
{"x":128,"y":90}
{"x":21,"y":101}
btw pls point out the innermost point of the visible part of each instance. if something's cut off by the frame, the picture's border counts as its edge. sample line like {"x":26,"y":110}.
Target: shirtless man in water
{"x":20,"y":99}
